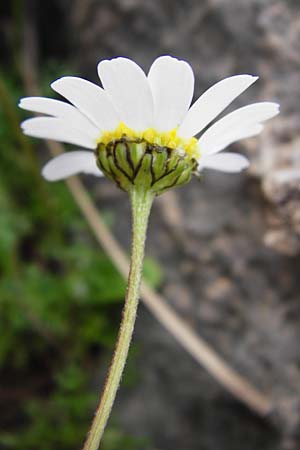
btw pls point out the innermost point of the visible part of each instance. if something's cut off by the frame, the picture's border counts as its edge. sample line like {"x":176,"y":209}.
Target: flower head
{"x":142,"y":126}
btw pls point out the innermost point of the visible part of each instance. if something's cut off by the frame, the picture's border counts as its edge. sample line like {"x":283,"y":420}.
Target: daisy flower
{"x":153,"y":112}
{"x":142,"y":132}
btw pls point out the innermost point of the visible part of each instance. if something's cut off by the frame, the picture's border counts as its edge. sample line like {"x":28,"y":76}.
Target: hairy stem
{"x":141,"y":204}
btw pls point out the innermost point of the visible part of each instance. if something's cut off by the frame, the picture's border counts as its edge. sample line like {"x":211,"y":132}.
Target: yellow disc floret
{"x":168,"y":139}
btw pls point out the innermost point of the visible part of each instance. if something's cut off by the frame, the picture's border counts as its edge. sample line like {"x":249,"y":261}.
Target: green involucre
{"x":137,"y":163}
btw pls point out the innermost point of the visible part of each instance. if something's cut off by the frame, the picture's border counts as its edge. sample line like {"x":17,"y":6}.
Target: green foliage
{"x":60,"y":304}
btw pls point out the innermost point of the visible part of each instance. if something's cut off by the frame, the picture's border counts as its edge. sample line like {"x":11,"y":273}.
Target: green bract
{"x":135,"y":162}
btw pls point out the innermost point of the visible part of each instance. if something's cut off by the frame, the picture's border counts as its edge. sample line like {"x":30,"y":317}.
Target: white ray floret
{"x":60,"y":110}
{"x":57,"y":129}
{"x":213,"y":102}
{"x":156,"y":106}
{"x":90,"y":99}
{"x":128,"y":88}
{"x":225,"y":162}
{"x":241,"y":123}
{"x":71,"y":163}
{"x":212,"y":146}
{"x":172,"y":85}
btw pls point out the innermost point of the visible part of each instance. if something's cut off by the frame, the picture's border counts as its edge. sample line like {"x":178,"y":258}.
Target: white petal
{"x":213,"y":102}
{"x":61,"y":110}
{"x":90,"y":99}
{"x":71,"y":163}
{"x":129,"y":90}
{"x":56,"y":129}
{"x":235,"y":122}
{"x":225,"y":162}
{"x":209,"y":146}
{"x":172,"y":86}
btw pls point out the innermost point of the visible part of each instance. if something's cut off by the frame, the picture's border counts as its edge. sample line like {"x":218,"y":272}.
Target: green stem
{"x":141,"y":203}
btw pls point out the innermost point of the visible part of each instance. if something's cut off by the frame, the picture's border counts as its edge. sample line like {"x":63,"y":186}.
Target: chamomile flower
{"x":134,"y":116}
{"x":141,"y":132}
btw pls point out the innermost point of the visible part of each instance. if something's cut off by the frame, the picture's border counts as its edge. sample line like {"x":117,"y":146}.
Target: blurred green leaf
{"x":152,"y":272}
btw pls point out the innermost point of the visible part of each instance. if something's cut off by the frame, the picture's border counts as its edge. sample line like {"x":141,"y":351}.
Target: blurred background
{"x":224,"y":252}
